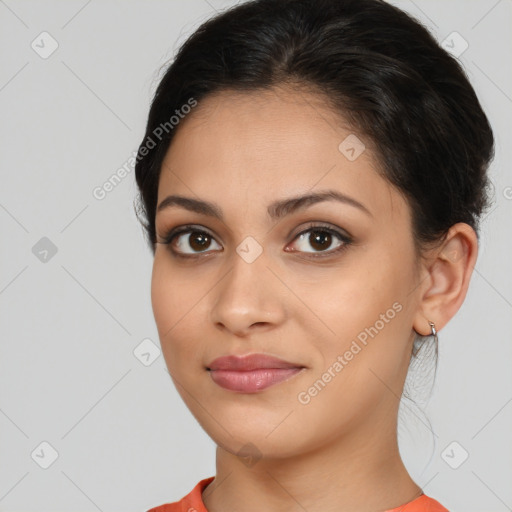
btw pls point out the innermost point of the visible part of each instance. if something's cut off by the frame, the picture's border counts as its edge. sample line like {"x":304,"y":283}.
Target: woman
{"x":311,"y":181}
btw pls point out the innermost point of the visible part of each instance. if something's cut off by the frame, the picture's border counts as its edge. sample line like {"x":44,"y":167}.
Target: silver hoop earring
{"x":432,"y":328}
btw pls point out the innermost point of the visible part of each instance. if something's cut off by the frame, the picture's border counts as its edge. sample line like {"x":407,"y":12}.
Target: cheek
{"x":362,"y":365}
{"x":362,"y":308}
{"x":177,"y":302}
{"x":163,"y":296}
{"x":349,"y":298}
{"x":170,"y":301}
{"x":173,"y":292}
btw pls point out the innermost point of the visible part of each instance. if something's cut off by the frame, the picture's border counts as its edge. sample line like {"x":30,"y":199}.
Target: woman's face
{"x":324,"y":284}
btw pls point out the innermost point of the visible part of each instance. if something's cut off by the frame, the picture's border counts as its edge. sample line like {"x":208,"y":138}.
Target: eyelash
{"x":170,"y":235}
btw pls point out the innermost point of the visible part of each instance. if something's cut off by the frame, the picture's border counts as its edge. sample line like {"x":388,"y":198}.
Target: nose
{"x":249,"y":298}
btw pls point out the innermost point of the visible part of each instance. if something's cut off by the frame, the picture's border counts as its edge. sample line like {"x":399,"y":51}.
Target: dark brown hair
{"x":376,"y":65}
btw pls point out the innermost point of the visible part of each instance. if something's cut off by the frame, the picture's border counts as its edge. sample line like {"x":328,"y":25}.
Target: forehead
{"x":263,"y":145}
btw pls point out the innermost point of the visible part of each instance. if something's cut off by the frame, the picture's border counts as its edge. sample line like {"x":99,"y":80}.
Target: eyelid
{"x":345,"y":239}
{"x":173,"y":233}
{"x":309,"y":226}
{"x":185,"y":228}
{"x":340,"y":233}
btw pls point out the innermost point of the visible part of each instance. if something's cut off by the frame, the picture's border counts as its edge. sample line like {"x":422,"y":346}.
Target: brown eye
{"x":188,"y":241}
{"x":191,"y":242}
{"x":199,"y":241}
{"x":320,"y":241}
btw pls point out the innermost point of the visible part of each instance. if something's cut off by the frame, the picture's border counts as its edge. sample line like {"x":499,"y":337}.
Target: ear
{"x":445,"y":279}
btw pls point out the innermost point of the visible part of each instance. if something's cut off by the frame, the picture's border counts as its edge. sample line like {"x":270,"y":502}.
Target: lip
{"x":250,"y":362}
{"x":251,"y":373}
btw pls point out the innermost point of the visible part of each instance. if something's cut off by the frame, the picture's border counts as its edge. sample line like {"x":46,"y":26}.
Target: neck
{"x":360,"y":471}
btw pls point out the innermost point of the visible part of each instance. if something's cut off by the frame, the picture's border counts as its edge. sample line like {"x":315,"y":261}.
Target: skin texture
{"x":339,"y":451}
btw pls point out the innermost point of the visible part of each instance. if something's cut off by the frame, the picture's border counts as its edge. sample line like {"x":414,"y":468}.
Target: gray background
{"x":70,"y":321}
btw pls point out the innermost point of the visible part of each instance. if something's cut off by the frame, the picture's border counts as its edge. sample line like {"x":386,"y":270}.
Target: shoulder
{"x":421,"y":504}
{"x":192,"y":502}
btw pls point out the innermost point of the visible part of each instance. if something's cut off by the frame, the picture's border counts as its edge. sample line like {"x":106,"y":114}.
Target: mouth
{"x":251,"y":373}
{"x":252,"y":381}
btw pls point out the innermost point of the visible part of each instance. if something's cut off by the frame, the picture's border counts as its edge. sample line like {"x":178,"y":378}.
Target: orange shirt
{"x":193,"y":502}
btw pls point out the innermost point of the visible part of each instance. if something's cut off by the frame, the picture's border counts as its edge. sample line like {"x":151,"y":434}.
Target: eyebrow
{"x":275,"y":210}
